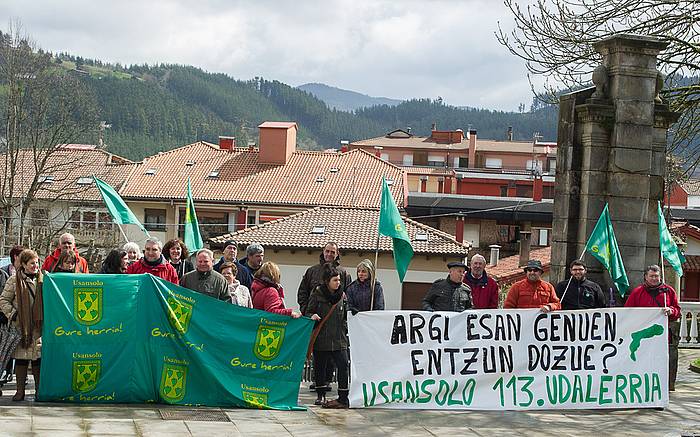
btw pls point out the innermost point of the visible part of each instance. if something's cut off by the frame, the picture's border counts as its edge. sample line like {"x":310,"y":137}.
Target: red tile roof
{"x":354,"y":229}
{"x":692,"y":187}
{"x":692,"y":263}
{"x":508,"y":269}
{"x":308,"y":179}
{"x":65,"y":167}
{"x":413,"y":142}
{"x":428,"y":171}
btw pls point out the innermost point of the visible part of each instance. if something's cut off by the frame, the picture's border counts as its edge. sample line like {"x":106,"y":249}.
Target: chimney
{"x":472,"y":148}
{"x":408,"y":130}
{"x":344,"y":146}
{"x":227,"y":143}
{"x":495,"y":253}
{"x":459,"y":229}
{"x":434,"y":128}
{"x":278,"y":141}
{"x":524,"y":247}
{"x":378,"y":151}
{"x":509,"y":136}
{"x":537,"y":188}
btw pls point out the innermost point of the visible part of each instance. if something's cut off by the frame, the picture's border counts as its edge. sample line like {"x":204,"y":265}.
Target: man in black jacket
{"x":313,"y":275}
{"x":449,"y":294}
{"x":579,"y":293}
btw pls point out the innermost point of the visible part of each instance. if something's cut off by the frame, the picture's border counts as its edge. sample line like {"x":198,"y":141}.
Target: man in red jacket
{"x":66,"y":243}
{"x":484,"y":288}
{"x":153,"y":262}
{"x":655,"y":294}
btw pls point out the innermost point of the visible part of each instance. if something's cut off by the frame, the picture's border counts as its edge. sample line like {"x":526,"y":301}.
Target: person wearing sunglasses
{"x":533,"y":292}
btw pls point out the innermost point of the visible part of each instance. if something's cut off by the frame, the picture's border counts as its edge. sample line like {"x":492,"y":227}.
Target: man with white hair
{"x":484,"y":288}
{"x":205,"y":279}
{"x":154,"y":262}
{"x":66,"y":243}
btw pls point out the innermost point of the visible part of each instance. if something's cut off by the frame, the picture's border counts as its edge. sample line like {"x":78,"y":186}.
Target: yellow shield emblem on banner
{"x":87,"y":305}
{"x":268,"y":342}
{"x":173,"y":382}
{"x":179,"y":314}
{"x":86,"y":373}
{"x":256,"y":400}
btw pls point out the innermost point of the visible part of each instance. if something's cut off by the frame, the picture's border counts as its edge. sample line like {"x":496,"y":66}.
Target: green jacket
{"x":334,"y":334}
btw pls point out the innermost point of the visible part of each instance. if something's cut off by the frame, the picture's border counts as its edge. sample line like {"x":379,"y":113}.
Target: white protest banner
{"x":509,"y":359}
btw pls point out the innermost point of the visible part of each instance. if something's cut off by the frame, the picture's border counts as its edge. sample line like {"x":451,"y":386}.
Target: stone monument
{"x":612,"y":140}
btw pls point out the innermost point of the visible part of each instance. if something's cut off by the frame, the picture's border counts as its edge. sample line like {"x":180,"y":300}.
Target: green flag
{"x":193,"y":239}
{"x":391,"y":225}
{"x":668,"y":247}
{"x":121,"y":214}
{"x":603,"y":246}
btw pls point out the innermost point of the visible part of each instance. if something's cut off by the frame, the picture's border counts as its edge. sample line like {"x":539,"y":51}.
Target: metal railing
{"x":690,"y":313}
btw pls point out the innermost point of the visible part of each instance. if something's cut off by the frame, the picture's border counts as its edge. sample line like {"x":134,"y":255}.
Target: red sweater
{"x":484,"y":291}
{"x":268,"y":297}
{"x":81,"y":265}
{"x":640,"y":297}
{"x":163,"y":270}
{"x":525,"y":294}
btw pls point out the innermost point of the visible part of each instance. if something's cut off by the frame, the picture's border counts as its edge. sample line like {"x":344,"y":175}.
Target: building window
{"x":436,"y":161}
{"x":89,"y":220}
{"x":540,"y":237}
{"x":154,"y":219}
{"x":104,"y":221}
{"x":40,"y":217}
{"x":408,"y":160}
{"x":384,"y":157}
{"x":534,"y":165}
{"x":552,"y":165}
{"x":494,"y":163}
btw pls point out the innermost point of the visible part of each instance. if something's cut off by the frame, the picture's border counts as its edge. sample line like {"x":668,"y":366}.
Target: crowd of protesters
{"x":326,"y":294}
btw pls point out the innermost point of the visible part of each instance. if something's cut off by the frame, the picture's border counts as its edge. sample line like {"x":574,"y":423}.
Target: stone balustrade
{"x":690,"y":313}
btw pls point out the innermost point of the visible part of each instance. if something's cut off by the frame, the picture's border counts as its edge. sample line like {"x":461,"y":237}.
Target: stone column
{"x":612,"y":140}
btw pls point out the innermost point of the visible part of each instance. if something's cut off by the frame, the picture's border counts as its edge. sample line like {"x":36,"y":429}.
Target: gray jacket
{"x":212,"y":283}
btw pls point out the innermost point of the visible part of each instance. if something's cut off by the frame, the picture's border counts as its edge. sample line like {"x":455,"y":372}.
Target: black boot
{"x":320,"y":395}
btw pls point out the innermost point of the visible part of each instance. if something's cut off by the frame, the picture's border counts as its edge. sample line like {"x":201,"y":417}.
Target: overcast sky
{"x":399,"y":49}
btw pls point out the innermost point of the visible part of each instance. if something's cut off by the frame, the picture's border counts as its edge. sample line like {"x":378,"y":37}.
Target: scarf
{"x":333,"y":298}
{"x":482,"y":281}
{"x":29,"y":316}
{"x":159,"y":261}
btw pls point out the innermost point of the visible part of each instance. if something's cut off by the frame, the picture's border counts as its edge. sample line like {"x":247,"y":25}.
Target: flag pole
{"x":374,"y":276}
{"x":571,"y":277}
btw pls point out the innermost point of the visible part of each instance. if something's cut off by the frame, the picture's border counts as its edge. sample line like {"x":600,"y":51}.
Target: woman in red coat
{"x":267,"y":292}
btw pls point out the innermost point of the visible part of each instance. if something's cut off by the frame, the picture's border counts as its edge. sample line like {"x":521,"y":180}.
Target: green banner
{"x":137,"y":338}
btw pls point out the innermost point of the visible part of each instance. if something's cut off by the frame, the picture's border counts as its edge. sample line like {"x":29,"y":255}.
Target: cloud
{"x":411,"y":48}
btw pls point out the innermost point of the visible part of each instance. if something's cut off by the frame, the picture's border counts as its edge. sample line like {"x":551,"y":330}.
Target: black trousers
{"x":322,"y":359}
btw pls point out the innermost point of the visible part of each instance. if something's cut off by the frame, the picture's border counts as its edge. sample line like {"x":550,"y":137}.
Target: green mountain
{"x":160,"y":107}
{"x":345,"y":100}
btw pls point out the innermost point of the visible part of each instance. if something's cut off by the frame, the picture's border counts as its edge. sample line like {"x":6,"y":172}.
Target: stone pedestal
{"x":611,"y":149}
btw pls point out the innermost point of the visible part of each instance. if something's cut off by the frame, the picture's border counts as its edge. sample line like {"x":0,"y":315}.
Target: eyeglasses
{"x":532,"y":270}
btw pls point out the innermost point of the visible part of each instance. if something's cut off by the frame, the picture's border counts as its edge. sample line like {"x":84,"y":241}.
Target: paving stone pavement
{"x":682,"y":418}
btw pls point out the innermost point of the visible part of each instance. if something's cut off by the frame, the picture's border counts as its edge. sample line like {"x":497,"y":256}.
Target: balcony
{"x":690,"y":312}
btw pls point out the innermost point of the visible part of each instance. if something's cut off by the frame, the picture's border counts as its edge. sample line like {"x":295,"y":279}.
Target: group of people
{"x":469,"y":287}
{"x":326,"y":293}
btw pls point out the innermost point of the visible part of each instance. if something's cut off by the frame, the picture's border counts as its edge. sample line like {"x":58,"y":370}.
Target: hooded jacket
{"x":268,"y":296}
{"x":314,"y":277}
{"x":580,"y":295}
{"x":81,"y":265}
{"x":163,"y":269}
{"x":445,"y":295}
{"x":359,"y":293}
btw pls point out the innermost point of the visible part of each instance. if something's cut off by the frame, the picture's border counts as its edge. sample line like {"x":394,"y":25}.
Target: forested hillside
{"x":154,"y":108}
